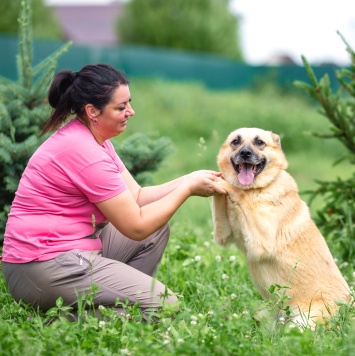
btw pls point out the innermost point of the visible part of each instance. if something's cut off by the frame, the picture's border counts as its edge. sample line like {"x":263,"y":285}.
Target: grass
{"x":217,"y":297}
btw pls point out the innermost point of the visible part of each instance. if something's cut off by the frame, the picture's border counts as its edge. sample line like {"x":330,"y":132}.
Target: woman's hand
{"x":204,"y":183}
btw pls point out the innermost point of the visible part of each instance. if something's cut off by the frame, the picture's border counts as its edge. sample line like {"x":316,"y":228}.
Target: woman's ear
{"x":90,"y":111}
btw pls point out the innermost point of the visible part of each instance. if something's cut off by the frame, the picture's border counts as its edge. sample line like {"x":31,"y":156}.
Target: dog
{"x":264,"y":216}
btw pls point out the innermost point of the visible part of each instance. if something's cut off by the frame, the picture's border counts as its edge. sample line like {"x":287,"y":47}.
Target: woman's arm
{"x":146,"y":195}
{"x":138,"y":222}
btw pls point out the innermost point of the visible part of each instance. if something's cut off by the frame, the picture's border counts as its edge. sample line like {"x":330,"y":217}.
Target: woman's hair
{"x":71,"y":91}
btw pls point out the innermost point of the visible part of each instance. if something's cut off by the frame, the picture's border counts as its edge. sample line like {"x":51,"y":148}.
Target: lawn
{"x":217,"y":298}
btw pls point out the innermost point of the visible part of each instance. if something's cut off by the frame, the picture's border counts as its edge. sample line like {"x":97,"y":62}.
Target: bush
{"x":143,"y":154}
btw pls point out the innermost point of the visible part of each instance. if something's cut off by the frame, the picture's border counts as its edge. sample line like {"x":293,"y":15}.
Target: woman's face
{"x":114,"y":117}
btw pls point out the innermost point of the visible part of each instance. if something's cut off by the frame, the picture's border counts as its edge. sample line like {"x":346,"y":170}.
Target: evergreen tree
{"x":23,"y":109}
{"x":337,"y":218}
{"x":195,"y":25}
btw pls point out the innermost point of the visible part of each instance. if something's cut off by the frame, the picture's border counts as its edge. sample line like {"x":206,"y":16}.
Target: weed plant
{"x":217,"y":298}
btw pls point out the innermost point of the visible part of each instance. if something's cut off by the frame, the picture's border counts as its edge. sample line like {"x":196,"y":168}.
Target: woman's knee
{"x":173,"y":301}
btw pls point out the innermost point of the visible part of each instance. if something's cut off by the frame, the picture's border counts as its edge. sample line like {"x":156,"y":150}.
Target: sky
{"x":288,"y":27}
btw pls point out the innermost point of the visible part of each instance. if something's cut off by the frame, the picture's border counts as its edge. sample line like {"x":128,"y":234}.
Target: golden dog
{"x":267,"y":220}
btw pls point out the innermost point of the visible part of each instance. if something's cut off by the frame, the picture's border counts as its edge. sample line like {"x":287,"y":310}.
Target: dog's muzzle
{"x":247,"y":165}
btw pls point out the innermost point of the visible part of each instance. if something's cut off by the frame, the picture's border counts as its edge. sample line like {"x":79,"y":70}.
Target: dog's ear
{"x":276,"y":139}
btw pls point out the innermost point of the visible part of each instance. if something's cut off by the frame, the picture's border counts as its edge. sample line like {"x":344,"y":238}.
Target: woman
{"x":79,"y":218}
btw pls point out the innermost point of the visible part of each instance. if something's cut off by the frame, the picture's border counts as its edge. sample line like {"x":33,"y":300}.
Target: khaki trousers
{"x":122,"y":270}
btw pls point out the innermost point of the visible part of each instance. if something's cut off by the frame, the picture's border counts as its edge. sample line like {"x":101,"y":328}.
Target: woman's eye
{"x":122,"y":108}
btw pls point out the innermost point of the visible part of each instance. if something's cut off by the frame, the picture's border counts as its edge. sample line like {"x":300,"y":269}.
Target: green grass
{"x":217,"y":297}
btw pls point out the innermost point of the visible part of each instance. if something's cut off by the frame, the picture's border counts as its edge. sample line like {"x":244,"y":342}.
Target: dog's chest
{"x":244,"y":213}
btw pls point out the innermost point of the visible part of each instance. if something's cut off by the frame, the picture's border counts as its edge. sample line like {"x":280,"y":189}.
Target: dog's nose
{"x":246,"y":153}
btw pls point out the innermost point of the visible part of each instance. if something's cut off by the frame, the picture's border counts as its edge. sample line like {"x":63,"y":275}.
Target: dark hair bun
{"x":60,"y":85}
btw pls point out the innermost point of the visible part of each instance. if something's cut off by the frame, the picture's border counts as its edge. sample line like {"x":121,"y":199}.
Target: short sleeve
{"x":101,"y":181}
{"x":112,"y":152}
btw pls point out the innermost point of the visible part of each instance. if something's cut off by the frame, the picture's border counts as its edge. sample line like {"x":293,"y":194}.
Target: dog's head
{"x":251,"y":158}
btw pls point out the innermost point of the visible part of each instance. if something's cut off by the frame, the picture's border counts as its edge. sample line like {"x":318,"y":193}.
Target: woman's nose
{"x":130,"y":111}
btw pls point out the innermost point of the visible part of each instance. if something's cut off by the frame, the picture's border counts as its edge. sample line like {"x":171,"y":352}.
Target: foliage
{"x":45,"y":25}
{"x":337,"y":218}
{"x":23,"y":109}
{"x":196,"y":25}
{"x":142,"y":155}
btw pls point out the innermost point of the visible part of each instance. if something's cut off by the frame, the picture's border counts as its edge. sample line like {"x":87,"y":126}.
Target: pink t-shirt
{"x":53,"y":210}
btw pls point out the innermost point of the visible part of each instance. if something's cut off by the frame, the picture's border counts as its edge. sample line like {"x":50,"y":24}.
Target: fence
{"x":213,"y":71}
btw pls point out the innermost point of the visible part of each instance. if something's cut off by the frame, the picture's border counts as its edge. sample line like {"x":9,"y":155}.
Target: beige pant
{"x":122,"y":270}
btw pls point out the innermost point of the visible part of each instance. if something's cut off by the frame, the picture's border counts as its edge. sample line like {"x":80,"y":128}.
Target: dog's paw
{"x":234,"y":194}
{"x":229,"y":188}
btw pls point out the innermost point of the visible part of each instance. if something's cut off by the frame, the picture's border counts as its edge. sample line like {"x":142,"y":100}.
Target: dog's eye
{"x":236,"y":141}
{"x":259,"y":142}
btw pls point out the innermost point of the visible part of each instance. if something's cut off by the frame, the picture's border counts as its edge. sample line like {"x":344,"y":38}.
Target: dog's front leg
{"x":258,"y":229}
{"x":222,"y":229}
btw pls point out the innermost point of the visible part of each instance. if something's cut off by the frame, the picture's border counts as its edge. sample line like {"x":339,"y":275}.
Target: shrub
{"x":142,"y":155}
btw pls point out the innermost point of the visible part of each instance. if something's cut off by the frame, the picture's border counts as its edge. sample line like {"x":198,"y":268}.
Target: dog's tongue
{"x":246,"y":175}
